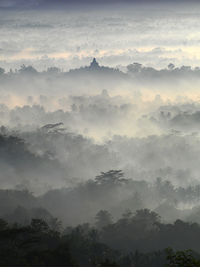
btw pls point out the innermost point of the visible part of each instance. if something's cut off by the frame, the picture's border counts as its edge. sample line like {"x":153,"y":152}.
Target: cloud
{"x":49,"y":3}
{"x":153,"y":37}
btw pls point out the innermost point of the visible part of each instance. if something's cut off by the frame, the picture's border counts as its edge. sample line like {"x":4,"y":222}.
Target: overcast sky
{"x":7,"y":3}
{"x":152,"y":34}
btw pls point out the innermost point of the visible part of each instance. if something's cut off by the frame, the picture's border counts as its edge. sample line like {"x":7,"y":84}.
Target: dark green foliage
{"x":28,"y":70}
{"x":3,"y":225}
{"x":14,"y":152}
{"x":38,"y":245}
{"x":181,"y":258}
{"x":112,"y":177}
{"x":2,"y":71}
{"x":103,"y":218}
{"x":106,"y":263}
{"x":144,"y":231}
{"x":33,"y":245}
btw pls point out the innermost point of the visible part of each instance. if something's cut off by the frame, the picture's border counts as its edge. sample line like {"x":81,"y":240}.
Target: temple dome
{"x":94,"y":64}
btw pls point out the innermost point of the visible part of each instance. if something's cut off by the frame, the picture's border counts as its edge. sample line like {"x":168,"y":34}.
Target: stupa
{"x":94,"y":64}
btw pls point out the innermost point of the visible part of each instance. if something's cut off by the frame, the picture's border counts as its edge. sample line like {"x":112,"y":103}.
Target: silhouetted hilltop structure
{"x":95,"y":68}
{"x":94,"y":64}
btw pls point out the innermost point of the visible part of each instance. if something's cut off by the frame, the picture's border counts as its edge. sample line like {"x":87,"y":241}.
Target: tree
{"x":181,"y":258}
{"x":146,"y":215}
{"x":107,"y":263}
{"x":2,"y":71}
{"x":127,"y":214}
{"x":110,"y":177}
{"x":146,"y":220}
{"x":3,"y":225}
{"x":27,"y":70}
{"x":53,"y":70}
{"x":103,"y":218}
{"x":55,"y":224}
{"x":39,"y":226}
{"x":134,"y":68}
{"x":171,"y":66}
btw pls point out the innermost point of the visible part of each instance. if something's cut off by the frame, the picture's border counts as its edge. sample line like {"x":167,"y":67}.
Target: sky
{"x":149,"y":33}
{"x":143,"y":112}
{"x":10,"y":3}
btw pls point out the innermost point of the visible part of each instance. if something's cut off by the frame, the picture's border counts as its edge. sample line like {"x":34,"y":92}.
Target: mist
{"x":71,"y":129}
{"x":99,"y":132}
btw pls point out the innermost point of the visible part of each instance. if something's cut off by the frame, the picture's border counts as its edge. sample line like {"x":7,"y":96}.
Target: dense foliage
{"x":40,"y":244}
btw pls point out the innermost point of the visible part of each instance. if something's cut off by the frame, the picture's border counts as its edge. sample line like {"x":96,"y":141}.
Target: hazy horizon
{"x":99,"y":132}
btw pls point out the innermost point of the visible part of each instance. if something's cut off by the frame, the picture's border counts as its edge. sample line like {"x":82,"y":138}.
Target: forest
{"x":105,"y":244}
{"x":99,"y":133}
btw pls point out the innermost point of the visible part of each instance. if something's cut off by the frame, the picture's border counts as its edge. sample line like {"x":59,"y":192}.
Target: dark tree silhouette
{"x":114,"y":177}
{"x":2,"y":71}
{"x":103,"y":218}
{"x":181,"y":258}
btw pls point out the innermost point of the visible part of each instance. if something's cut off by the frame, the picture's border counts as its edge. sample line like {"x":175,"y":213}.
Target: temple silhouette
{"x":94,"y":64}
{"x":95,"y":69}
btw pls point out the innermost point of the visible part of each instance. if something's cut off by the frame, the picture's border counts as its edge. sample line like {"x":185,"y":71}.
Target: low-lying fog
{"x":60,"y":130}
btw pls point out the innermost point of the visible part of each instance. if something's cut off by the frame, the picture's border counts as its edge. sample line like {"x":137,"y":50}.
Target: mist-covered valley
{"x":99,"y":134}
{"x":55,"y":140}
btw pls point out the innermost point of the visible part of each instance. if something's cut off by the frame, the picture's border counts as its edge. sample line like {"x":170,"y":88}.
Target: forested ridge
{"x":42,"y":244}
